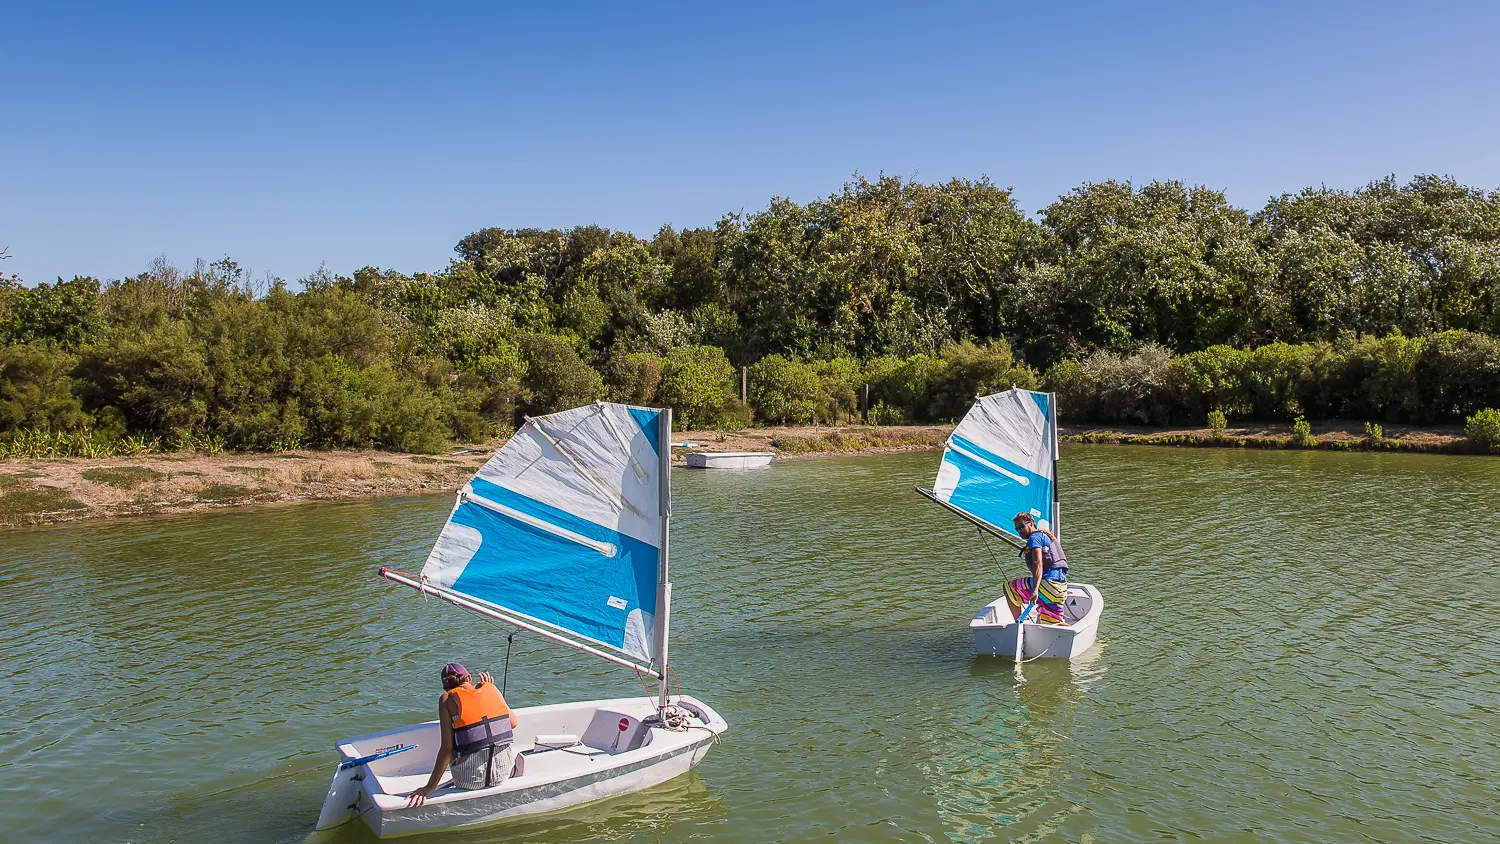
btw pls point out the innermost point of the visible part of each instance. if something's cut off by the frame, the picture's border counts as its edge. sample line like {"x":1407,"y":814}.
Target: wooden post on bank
{"x":744,"y":381}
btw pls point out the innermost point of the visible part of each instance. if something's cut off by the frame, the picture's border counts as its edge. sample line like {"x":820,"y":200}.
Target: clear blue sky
{"x":366,"y":134}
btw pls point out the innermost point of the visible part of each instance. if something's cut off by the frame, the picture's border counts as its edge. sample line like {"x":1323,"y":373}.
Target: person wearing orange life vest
{"x":477,"y":730}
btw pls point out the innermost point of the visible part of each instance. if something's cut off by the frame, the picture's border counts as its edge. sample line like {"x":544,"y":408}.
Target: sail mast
{"x":1056,"y":499}
{"x":663,"y":577}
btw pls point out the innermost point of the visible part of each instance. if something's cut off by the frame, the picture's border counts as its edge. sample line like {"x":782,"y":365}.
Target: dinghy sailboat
{"x":562,"y":533}
{"x":1001,"y":460}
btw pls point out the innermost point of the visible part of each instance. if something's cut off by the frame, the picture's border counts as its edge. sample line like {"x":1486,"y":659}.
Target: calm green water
{"x":1266,"y":668}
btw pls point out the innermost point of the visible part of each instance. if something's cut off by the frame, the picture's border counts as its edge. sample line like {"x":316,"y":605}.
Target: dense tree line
{"x":1152,"y":304}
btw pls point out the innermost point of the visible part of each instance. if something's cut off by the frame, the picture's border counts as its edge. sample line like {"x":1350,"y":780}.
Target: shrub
{"x":783,"y":390}
{"x":1217,"y":422}
{"x":65,"y":313}
{"x":906,"y":384}
{"x":697,"y":383}
{"x":839,"y":378}
{"x":1457,"y":373}
{"x":732,"y":416}
{"x":1301,"y":432}
{"x":488,"y":392}
{"x":1273,"y":378}
{"x":157,"y":378}
{"x":1380,"y":378}
{"x":1212,"y":378}
{"x":1077,"y":396}
{"x":633,"y":378}
{"x":883,"y":414}
{"x":556,"y":377}
{"x":1374,"y":434}
{"x":1323,"y":367}
{"x":1108,"y":388}
{"x":1483,"y":430}
{"x":970,"y":371}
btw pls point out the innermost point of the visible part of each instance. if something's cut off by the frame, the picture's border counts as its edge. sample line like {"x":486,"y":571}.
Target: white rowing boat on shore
{"x":562,"y":533}
{"x":729,"y":459}
{"x":1001,"y":460}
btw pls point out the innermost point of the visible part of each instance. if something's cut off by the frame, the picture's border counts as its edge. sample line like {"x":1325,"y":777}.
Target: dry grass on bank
{"x":1327,"y":436}
{"x":64,"y":489}
{"x":42,"y":491}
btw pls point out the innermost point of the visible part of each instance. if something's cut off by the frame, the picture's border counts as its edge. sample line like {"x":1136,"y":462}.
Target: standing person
{"x":1043,"y":555}
{"x":477,"y":730}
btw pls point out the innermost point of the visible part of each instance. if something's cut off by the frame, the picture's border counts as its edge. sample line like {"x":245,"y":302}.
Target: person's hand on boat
{"x":484,"y":677}
{"x":418,"y":797}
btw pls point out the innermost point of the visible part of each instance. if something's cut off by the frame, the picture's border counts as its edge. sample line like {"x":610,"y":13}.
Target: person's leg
{"x":1051,"y":596}
{"x":503,"y":764}
{"x":468,"y":770}
{"x":1017,"y":595}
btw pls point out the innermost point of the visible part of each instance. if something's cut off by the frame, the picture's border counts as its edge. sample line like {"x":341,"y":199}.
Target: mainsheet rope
{"x":505,"y":678}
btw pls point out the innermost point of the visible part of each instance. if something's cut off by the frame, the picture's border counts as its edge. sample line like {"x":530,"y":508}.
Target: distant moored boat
{"x":729,"y":459}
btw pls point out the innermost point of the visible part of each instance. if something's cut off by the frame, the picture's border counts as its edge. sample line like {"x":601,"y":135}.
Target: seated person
{"x":477,"y":733}
{"x":1044,"y":556}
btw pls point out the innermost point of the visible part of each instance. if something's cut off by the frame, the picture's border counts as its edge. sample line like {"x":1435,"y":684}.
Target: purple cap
{"x":453,"y":669}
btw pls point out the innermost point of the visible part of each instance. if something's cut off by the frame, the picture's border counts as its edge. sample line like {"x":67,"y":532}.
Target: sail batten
{"x":1002,"y":460}
{"x":563,"y":527}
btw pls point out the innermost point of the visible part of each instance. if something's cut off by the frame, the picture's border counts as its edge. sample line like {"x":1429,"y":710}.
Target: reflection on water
{"x":1261,"y":672}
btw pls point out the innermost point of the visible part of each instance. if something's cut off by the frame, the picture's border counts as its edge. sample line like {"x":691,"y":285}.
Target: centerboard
{"x":1002,"y":460}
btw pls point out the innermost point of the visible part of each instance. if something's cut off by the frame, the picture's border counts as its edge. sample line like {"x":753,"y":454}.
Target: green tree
{"x":35,"y":392}
{"x":556,"y":377}
{"x":1164,"y":264}
{"x":66,"y":313}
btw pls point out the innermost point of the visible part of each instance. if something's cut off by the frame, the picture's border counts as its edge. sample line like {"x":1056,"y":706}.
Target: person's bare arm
{"x":1035,"y":557}
{"x":484,"y":677}
{"x":445,"y":754}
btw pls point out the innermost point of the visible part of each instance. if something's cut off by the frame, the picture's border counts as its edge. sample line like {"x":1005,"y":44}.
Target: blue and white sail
{"x":564,"y":527}
{"x":1001,"y":460}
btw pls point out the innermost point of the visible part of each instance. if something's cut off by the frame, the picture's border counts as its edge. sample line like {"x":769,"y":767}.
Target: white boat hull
{"x":608,"y":762}
{"x":994,"y":628}
{"x":729,"y":459}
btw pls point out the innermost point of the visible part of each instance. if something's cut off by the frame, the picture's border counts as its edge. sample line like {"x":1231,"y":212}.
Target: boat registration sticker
{"x":617,"y":603}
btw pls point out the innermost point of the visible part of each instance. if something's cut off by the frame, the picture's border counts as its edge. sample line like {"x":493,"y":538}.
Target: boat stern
{"x":340,"y":806}
{"x":994,"y":627}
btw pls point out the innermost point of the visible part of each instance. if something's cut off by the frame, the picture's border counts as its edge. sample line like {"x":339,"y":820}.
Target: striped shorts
{"x":1049,"y":605}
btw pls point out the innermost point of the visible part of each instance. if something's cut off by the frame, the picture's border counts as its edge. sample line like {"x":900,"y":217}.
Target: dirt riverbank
{"x":64,"y":489}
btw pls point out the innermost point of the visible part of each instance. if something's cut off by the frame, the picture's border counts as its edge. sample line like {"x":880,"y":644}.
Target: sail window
{"x":606,"y":548}
{"x":1020,"y":479}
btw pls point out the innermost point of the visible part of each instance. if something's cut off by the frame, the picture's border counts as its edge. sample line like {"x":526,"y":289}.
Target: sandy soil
{"x":64,"y":489}
{"x":45,"y":491}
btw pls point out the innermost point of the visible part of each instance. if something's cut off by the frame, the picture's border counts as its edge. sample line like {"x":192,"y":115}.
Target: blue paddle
{"x":365,"y":760}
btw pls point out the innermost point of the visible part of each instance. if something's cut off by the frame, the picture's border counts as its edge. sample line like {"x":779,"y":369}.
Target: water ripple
{"x":1267,"y":668}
